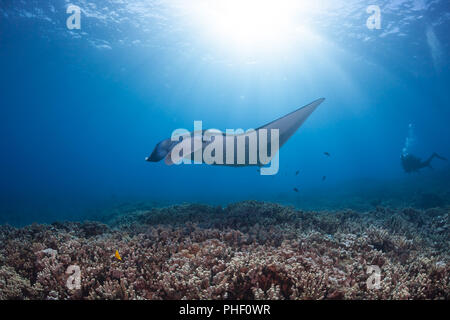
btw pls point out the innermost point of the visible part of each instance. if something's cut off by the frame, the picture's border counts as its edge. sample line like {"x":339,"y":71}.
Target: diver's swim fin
{"x":434,"y":155}
{"x":439,"y":157}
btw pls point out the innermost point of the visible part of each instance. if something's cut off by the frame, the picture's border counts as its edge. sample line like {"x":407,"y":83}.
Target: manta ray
{"x":242,"y":149}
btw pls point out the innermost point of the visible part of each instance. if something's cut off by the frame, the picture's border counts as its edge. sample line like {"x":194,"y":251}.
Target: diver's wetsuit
{"x":412,"y":163}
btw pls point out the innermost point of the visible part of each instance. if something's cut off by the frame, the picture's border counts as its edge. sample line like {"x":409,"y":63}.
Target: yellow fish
{"x":118,"y":255}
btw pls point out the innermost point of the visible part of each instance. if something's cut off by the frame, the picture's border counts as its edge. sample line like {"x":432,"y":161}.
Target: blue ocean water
{"x":81,"y":108}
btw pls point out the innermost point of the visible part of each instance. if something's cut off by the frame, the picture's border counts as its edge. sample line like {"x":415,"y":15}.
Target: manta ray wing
{"x":289,"y":124}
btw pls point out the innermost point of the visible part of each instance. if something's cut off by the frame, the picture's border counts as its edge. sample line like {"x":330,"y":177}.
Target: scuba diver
{"x":412,"y":163}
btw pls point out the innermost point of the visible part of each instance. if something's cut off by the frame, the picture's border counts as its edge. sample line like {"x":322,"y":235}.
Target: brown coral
{"x":248,"y":250}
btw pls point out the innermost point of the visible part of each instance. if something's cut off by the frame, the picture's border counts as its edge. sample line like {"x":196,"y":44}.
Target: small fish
{"x":117,"y":255}
{"x":295,"y":189}
{"x":297,"y":172}
{"x":324,"y":178}
{"x":327,"y":154}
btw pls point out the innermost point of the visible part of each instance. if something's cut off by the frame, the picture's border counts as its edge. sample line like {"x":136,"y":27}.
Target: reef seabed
{"x":247,"y":250}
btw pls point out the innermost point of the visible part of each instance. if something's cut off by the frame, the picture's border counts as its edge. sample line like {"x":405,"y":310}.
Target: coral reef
{"x":247,"y":250}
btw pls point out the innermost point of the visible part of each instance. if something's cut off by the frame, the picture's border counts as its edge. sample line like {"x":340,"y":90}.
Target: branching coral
{"x":248,"y":250}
